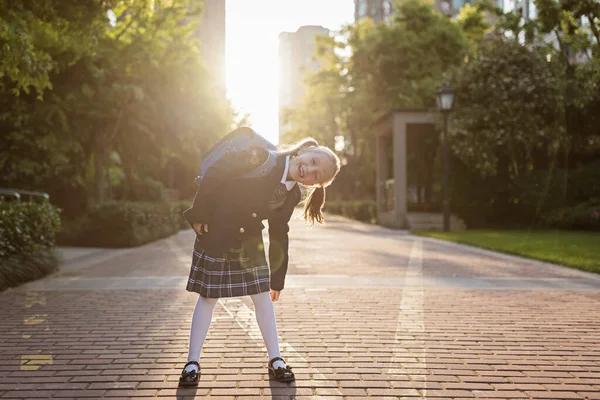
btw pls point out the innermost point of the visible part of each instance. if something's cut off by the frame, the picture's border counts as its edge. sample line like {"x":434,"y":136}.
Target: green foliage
{"x":27,"y":227}
{"x":123,"y":224}
{"x":369,"y":69}
{"x":510,"y":107}
{"x":125,"y":108}
{"x":572,"y":249}
{"x":583,"y":216}
{"x":38,"y":37}
{"x":404,"y":63}
{"x":365,"y":211}
{"x":27,"y":236}
{"x":474,"y":23}
{"x":18,"y":269}
{"x":541,"y":191}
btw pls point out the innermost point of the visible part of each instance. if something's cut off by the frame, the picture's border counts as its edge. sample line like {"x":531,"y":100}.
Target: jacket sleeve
{"x":279,"y":242}
{"x":228,"y":167}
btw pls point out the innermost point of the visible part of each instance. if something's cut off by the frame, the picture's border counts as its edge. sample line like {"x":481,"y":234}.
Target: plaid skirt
{"x":231,"y":275}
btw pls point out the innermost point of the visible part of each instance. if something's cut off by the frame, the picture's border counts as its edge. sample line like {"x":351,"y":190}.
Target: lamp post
{"x":445,"y":98}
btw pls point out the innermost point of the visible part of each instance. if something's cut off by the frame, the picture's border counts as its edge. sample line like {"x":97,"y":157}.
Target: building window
{"x":387,"y":8}
{"x":532,"y":10}
{"x":374,"y":9}
{"x":363,"y":9}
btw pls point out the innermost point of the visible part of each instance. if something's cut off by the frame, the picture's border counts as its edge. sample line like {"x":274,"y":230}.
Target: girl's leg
{"x":200,"y":324}
{"x":265,"y":316}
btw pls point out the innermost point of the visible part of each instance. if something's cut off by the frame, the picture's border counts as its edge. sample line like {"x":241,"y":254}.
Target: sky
{"x":252,"y":50}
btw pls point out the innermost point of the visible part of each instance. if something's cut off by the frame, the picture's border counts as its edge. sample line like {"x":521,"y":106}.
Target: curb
{"x":511,"y":257}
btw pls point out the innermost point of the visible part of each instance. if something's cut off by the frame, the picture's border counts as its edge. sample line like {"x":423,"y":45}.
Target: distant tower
{"x":382,"y":10}
{"x":296,"y":52}
{"x":211,"y":33}
{"x":377,"y":10}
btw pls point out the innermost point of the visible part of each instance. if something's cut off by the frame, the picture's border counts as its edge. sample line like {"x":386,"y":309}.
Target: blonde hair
{"x":314,"y":202}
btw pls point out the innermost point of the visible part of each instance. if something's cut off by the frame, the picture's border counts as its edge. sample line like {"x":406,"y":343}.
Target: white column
{"x":400,"y":180}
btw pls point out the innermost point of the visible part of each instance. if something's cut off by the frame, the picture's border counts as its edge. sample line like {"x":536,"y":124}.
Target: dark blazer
{"x":234,"y":209}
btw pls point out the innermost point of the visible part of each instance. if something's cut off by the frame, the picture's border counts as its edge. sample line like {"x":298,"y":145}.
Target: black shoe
{"x":189,"y":378}
{"x":281,"y":374}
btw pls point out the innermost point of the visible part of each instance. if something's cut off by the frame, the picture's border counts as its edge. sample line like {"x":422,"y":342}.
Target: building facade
{"x":382,"y":10}
{"x":212,"y":34}
{"x":296,"y":58}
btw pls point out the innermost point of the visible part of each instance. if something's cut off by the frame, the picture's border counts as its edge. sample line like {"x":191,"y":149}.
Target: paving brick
{"x":18,"y":386}
{"x":77,"y":394}
{"x":349,"y":330}
{"x":448,"y":393}
{"x":130,"y":393}
{"x":113,"y":385}
{"x":554,"y":395}
{"x":500,"y":394}
{"x":27,"y":394}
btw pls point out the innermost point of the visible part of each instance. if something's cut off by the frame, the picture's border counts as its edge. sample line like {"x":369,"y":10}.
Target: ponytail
{"x":315,"y":200}
{"x":313,"y":205}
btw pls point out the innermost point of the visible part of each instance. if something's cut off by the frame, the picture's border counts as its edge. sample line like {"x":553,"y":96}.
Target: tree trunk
{"x":99,"y":167}
{"x":129,"y":190}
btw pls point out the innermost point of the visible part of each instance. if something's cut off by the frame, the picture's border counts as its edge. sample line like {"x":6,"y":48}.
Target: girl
{"x":229,"y":258}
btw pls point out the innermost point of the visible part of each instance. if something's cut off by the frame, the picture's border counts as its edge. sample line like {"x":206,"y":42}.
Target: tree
{"x":370,"y":69}
{"x":509,"y":119}
{"x":129,"y":106}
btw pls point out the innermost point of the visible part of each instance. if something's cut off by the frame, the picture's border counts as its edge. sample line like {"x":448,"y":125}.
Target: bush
{"x":124,"y":224}
{"x":531,"y":197}
{"x":544,"y":191}
{"x":584,"y":216}
{"x":365,"y":211}
{"x":18,"y":269}
{"x":27,"y":238}
{"x":26,"y":227}
{"x":181,"y":206}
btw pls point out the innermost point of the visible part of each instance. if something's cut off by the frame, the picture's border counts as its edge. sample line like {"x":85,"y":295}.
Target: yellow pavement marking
{"x":35,"y":298}
{"x":35,"y":319}
{"x":33,"y":362}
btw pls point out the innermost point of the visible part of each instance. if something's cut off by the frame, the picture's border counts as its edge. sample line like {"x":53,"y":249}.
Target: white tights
{"x":265,"y":317}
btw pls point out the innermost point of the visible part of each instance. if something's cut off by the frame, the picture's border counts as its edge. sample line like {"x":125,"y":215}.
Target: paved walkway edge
{"x":511,"y":257}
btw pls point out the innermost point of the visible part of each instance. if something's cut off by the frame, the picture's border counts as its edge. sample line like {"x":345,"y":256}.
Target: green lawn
{"x":573,"y":249}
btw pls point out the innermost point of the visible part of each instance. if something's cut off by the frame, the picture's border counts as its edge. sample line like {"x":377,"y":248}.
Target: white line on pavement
{"x":411,"y":324}
{"x":246,"y":319}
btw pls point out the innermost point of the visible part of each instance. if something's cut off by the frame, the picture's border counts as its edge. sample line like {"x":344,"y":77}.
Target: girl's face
{"x":311,"y":167}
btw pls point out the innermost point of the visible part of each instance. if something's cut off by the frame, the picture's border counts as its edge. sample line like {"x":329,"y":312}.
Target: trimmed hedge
{"x":365,"y":210}
{"x":27,"y":238}
{"x":584,"y":216}
{"x":124,"y":224}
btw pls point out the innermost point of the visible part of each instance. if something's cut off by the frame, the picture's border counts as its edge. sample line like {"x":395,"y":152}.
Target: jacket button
{"x":253,"y":215}
{"x":242,"y":230}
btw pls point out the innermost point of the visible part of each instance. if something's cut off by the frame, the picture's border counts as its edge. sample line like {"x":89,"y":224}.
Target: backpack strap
{"x":263,"y":169}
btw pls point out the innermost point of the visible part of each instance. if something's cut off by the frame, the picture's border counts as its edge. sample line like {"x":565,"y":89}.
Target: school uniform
{"x":229,"y":260}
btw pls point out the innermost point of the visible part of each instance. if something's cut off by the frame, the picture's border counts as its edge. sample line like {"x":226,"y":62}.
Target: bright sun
{"x":252,"y":50}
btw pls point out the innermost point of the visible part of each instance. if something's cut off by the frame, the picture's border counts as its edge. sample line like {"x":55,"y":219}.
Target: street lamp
{"x":445,"y":98}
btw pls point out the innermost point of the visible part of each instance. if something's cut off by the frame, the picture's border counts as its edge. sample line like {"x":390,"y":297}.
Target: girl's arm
{"x":278,"y":250}
{"x":279,"y":241}
{"x":229,"y":166}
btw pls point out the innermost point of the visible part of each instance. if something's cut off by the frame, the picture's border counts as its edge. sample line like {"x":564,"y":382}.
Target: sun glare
{"x":252,"y":50}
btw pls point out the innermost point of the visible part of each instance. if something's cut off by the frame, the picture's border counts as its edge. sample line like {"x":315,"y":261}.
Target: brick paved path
{"x":367,"y":312}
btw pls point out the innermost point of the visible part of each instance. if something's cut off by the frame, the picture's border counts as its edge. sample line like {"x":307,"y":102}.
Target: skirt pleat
{"x":231,"y":275}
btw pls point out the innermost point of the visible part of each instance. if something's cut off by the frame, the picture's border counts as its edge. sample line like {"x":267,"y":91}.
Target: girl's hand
{"x":199,"y":228}
{"x":275,"y":294}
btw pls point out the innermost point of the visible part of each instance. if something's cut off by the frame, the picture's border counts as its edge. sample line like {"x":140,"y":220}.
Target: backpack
{"x":240,"y":139}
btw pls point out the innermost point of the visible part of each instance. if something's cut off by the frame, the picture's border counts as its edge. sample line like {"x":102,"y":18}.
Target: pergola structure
{"x":391,"y":130}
